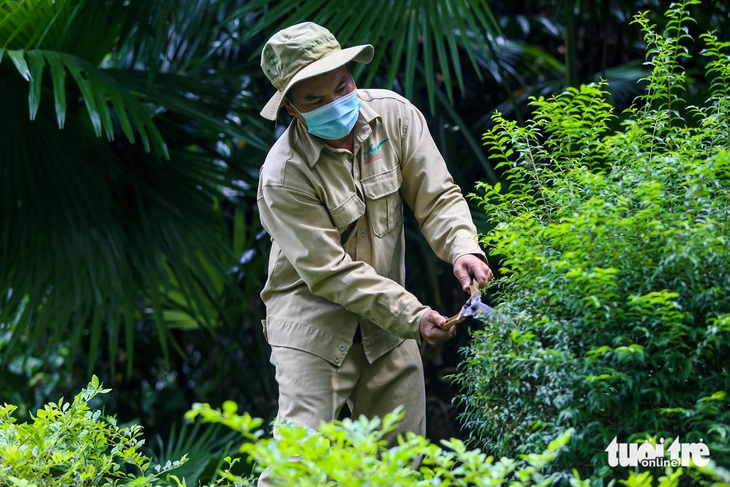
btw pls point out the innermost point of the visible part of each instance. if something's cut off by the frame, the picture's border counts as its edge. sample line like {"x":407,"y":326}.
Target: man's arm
{"x":441,"y":210}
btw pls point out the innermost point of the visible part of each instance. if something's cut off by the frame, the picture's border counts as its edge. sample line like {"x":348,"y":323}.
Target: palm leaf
{"x":199,"y":99}
{"x":178,"y":35}
{"x":19,"y":23}
{"x":410,"y":30}
{"x":44,"y":24}
{"x":99,"y":92}
{"x":204,"y":445}
{"x":92,"y":233}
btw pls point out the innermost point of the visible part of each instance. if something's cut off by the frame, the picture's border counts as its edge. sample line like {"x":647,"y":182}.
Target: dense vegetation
{"x":614,"y":308}
{"x":71,"y":444}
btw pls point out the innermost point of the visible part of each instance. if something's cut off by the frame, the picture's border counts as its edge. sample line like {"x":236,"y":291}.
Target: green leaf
{"x":18,"y":58}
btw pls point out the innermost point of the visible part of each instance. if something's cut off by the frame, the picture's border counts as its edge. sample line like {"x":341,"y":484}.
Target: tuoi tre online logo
{"x":657,"y":455}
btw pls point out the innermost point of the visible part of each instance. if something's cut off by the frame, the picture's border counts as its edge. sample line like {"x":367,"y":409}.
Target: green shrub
{"x":353,"y":453}
{"x":613,"y":234}
{"x":69,"y":444}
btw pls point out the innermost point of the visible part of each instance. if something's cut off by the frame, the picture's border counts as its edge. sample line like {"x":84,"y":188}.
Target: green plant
{"x":203,"y":446}
{"x":69,"y":444}
{"x":117,"y":138}
{"x":355,"y":453}
{"x":614,"y":308}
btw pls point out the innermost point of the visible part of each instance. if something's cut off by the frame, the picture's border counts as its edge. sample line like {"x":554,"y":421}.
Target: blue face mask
{"x":334,"y":120}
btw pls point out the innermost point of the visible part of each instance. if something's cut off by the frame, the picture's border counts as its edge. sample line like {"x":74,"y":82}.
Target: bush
{"x":68,"y":444}
{"x":354,"y":453}
{"x":614,"y":309}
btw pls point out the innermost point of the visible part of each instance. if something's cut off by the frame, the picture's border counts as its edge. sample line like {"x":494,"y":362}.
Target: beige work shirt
{"x":336,"y":222}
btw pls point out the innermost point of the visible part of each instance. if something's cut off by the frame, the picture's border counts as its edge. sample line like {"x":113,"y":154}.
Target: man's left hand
{"x":470,"y":267}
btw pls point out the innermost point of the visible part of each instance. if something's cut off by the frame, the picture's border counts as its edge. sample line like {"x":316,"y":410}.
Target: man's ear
{"x":289,"y":108}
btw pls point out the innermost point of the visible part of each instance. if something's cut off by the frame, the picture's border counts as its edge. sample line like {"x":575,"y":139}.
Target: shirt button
{"x":337,"y":359}
{"x":362,"y":232}
{"x":342,"y":348}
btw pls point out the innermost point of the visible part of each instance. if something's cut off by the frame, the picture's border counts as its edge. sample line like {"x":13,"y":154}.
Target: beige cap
{"x":303,"y":51}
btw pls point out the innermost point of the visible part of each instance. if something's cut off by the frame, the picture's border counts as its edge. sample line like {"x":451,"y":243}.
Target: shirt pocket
{"x":347,"y":212}
{"x":385,"y":206}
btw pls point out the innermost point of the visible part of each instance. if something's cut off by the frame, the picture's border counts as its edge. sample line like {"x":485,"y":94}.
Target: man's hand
{"x":431,"y":331}
{"x":468,"y":268}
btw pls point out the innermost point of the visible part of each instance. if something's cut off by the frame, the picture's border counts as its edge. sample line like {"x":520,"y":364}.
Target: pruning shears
{"x":473,"y":308}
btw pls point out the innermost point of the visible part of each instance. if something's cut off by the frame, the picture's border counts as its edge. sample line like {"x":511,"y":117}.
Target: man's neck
{"x":346,"y":142}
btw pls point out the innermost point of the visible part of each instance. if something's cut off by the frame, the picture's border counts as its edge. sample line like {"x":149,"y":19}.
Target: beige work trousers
{"x":312,"y":390}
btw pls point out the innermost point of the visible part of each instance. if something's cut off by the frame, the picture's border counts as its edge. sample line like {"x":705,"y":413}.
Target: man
{"x":341,"y":326}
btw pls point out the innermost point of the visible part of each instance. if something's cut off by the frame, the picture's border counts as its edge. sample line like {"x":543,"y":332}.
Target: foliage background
{"x":143,"y":265}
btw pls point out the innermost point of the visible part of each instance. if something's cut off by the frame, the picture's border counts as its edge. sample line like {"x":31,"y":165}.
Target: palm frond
{"x":178,"y":35}
{"x":67,"y":49}
{"x":409,"y":30}
{"x":95,"y":234}
{"x":212,"y":103}
{"x":204,"y":445}
{"x":90,"y":234}
{"x":107,"y":103}
{"x":53,"y":25}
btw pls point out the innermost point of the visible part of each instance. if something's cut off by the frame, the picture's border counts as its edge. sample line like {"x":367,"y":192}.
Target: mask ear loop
{"x":289,"y":104}
{"x":284,"y":104}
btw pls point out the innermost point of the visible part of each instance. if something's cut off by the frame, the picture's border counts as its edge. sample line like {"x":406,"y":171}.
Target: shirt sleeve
{"x":300,"y":224}
{"x":429,"y":189}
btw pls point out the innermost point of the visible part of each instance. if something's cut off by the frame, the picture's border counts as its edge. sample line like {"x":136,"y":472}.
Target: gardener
{"x":341,"y":326}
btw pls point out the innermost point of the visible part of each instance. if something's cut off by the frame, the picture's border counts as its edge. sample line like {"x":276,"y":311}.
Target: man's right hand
{"x":431,"y":331}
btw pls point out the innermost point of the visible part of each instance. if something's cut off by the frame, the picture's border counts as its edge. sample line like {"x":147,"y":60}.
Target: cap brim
{"x":360,"y":54}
